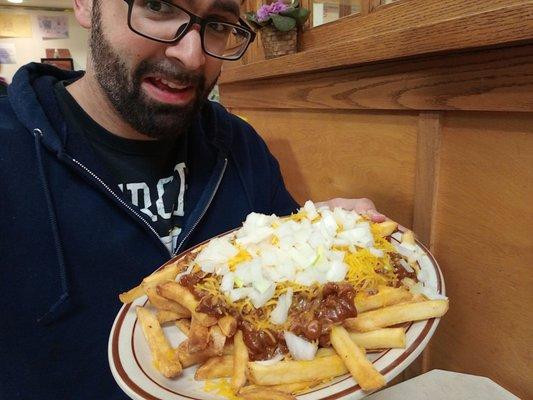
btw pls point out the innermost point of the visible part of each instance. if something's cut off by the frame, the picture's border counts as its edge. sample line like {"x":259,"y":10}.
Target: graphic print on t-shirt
{"x":162,"y":202}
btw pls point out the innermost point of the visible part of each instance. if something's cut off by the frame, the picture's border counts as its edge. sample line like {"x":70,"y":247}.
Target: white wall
{"x":33,"y":49}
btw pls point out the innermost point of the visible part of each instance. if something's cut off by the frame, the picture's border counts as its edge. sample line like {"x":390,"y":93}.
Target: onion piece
{"x":299,"y":348}
{"x":227,"y":282}
{"x":279,"y":314}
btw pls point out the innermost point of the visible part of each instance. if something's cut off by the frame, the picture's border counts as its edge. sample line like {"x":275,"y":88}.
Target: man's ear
{"x":83,"y":12}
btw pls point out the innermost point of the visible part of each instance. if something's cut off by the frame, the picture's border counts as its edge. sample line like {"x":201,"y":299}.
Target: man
{"x":106,"y":175}
{"x":3,"y":84}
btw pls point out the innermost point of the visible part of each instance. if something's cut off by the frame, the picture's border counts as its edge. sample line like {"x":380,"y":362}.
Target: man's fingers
{"x":361,"y":206}
{"x":375,"y":216}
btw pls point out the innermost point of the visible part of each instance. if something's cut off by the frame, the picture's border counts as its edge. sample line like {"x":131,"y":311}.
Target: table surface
{"x":444,"y":385}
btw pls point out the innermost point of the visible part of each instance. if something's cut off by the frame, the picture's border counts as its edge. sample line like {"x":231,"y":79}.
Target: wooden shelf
{"x":397,"y":31}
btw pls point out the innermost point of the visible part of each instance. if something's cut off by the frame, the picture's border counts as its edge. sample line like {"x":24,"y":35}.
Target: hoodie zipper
{"x":205,"y":208}
{"x":116,"y":197}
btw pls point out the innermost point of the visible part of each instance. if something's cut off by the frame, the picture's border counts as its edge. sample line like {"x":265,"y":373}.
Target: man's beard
{"x":123,"y":89}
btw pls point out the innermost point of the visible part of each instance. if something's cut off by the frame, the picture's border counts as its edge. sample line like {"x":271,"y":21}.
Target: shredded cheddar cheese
{"x":222,"y":387}
{"x":366,"y":272}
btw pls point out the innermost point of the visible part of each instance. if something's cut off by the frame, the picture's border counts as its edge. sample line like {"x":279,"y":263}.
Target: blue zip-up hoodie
{"x":70,"y":243}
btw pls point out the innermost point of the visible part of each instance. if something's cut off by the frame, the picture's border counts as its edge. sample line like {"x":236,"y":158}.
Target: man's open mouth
{"x":167,"y":90}
{"x":171,"y":86}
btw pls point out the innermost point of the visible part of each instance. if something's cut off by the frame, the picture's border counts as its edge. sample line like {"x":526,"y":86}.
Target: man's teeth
{"x":172,"y":84}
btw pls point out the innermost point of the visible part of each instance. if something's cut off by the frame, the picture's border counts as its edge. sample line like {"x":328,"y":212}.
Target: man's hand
{"x":360,"y":206}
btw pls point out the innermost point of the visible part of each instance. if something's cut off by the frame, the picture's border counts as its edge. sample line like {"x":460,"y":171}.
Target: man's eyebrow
{"x":225,"y":5}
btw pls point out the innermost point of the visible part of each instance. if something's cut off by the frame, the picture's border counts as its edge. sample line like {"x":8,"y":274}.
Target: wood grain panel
{"x":344,"y":154}
{"x":490,"y":80}
{"x":484,"y":245}
{"x":397,"y":16}
{"x":427,"y":177}
{"x":510,"y":23}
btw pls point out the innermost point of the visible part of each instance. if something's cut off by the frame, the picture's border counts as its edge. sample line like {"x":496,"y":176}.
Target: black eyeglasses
{"x":165,"y":22}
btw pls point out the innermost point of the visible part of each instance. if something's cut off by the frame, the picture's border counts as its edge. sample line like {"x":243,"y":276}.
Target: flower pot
{"x":277,"y":43}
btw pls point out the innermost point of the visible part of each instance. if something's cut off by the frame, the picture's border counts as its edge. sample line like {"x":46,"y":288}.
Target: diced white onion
{"x":227,"y":282}
{"x":279,"y":314}
{"x":240,"y":293}
{"x":337,"y":271}
{"x":376,"y":252}
{"x":259,"y":299}
{"x":310,"y":209}
{"x":299,"y":348}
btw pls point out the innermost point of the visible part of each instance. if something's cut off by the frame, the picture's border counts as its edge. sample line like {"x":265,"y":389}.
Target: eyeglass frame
{"x":194,"y":19}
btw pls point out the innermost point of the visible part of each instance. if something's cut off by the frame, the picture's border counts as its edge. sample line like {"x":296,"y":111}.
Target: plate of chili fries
{"x":321,"y":304}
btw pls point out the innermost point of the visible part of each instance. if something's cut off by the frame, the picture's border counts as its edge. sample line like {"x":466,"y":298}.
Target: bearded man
{"x":108,"y":173}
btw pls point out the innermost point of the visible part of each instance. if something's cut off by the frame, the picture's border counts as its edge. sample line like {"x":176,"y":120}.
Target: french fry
{"x":285,"y":372}
{"x":164,"y":274}
{"x":184,"y":325}
{"x":397,"y":314}
{"x":408,"y":237}
{"x":198,"y":336}
{"x":164,"y":316}
{"x":174,"y":291}
{"x":265,"y":394}
{"x":228,"y":349}
{"x":228,"y":325}
{"x":240,"y":362}
{"x":325,"y":352}
{"x":386,"y":228}
{"x":329,"y":351}
{"x":297,"y":387}
{"x":359,"y":366}
{"x":215,"y":367}
{"x":163,"y":303}
{"x":380,"y":339}
{"x":386,"y":296}
{"x":215,"y":348}
{"x":164,"y":359}
{"x":131,"y":295}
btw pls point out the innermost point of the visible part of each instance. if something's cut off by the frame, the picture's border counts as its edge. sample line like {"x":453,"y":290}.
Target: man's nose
{"x":188,"y":50}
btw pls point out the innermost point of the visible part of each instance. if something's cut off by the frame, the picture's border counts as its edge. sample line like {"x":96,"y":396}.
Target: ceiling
{"x":59,"y":4}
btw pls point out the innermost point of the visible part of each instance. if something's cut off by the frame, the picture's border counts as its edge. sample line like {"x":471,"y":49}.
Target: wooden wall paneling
{"x":344,"y":154}
{"x":427,"y":176}
{"x":514,"y":24}
{"x":489,"y":80}
{"x":484,"y":231}
{"x":425,"y":202}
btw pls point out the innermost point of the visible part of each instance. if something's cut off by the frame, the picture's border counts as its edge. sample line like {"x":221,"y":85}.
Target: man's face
{"x":157,"y":88}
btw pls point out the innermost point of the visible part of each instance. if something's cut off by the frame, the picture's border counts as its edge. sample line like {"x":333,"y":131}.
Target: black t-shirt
{"x":150,"y":173}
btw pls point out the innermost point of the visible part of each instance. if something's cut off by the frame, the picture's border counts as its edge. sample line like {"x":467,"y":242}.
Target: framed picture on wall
{"x":63,"y":63}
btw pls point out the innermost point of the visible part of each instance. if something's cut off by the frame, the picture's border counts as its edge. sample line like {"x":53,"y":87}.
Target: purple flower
{"x":264,"y":13}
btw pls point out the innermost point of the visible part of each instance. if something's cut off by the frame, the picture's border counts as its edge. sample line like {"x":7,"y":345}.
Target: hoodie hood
{"x":32,"y":98}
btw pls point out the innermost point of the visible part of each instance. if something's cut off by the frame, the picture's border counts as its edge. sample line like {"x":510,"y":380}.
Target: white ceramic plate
{"x":130,"y":360}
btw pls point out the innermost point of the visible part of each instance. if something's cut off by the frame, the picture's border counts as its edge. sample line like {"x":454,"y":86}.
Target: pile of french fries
{"x":216,"y":346}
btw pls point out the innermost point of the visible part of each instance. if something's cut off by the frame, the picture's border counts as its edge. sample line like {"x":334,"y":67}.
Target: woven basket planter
{"x":277,"y":43}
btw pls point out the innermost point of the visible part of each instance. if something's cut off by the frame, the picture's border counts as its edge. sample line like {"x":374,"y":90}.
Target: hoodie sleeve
{"x":260,"y":172}
{"x":282,"y":201}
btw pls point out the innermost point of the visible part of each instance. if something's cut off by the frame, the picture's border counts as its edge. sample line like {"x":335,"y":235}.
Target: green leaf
{"x":303,"y":14}
{"x":282,"y":23}
{"x":290,"y":12}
